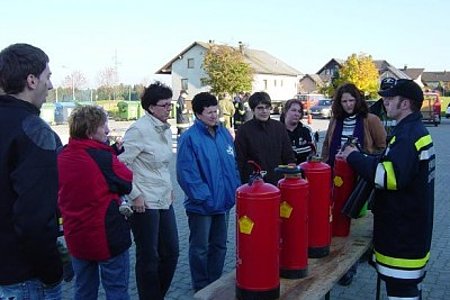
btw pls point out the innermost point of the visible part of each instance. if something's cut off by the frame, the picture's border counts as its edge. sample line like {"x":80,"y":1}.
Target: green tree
{"x":328,"y":89}
{"x":108,"y":81}
{"x":226,"y":69}
{"x":362,"y":72}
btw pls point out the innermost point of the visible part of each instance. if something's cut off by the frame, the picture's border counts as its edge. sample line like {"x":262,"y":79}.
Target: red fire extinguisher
{"x":318,"y":175}
{"x":294,"y":222}
{"x":344,"y":180}
{"x":257,"y":239}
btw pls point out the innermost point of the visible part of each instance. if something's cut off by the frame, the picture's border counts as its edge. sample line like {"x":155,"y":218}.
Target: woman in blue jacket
{"x":207,"y":172}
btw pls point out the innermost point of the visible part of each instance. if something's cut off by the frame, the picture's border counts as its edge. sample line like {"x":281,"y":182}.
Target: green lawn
{"x":444,"y":103}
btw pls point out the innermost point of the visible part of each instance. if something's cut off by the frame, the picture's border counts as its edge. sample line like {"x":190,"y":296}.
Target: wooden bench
{"x":323,"y":273}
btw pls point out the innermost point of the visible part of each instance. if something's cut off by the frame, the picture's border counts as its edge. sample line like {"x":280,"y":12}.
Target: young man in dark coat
{"x":29,"y":260}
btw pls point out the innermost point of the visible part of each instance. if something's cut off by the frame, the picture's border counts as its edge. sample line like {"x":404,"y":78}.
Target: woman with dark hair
{"x":263,"y":140}
{"x":351,"y":117}
{"x":299,"y":134}
{"x":148,"y":152}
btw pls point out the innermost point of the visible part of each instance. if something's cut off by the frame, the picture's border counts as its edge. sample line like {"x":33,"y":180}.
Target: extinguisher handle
{"x":288,"y":169}
{"x":257,"y":172}
{"x":256,"y":167}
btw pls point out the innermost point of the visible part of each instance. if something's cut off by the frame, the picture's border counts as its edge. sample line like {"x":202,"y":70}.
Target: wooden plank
{"x":323,"y":273}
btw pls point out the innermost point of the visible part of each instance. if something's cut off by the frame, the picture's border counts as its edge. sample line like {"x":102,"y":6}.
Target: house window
{"x":184,"y":84}
{"x":281,"y":83}
{"x":265,"y":84}
{"x":275,"y":83}
{"x":190,"y":63}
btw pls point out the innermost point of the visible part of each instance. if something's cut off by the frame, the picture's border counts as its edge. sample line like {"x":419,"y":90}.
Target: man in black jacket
{"x":29,"y":260}
{"x":404,"y":198}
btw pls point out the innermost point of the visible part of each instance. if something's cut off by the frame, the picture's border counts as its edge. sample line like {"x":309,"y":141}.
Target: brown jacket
{"x":374,"y":136}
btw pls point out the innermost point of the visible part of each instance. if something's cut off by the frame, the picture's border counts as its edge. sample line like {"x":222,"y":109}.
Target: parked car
{"x":431,"y":108}
{"x":322,"y":109}
{"x":447,"y":112}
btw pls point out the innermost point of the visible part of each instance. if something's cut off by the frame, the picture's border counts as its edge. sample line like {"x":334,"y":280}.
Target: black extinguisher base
{"x":318,"y":252}
{"x":293,"y":274}
{"x":243,"y":294}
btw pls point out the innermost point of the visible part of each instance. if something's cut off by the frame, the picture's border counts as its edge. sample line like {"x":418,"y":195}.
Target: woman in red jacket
{"x":91,"y":181}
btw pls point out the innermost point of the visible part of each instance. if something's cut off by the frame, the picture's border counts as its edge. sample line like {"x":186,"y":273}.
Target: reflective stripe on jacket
{"x":404,"y":201}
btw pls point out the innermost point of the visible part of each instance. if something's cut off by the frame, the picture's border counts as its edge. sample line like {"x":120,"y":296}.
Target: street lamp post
{"x":73,"y":88}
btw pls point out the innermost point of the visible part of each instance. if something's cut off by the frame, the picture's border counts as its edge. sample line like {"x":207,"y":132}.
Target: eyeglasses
{"x":167,"y":105}
{"x":264,"y":107}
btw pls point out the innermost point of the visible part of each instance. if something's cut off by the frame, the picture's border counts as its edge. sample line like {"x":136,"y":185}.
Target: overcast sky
{"x":141,"y":36}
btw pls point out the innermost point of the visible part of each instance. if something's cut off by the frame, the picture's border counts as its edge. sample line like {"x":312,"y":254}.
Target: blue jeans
{"x":156,"y":238}
{"x":207,"y":247}
{"x":114,"y":273}
{"x":30,"y":290}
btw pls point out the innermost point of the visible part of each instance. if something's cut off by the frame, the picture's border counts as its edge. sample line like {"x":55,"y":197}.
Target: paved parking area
{"x":436,"y":285}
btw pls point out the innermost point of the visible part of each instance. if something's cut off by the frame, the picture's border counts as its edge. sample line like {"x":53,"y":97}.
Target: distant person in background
{"x":378,"y":107}
{"x":91,"y":182}
{"x":299,"y":134}
{"x":226,"y":111}
{"x":30,"y":265}
{"x":263,"y":140}
{"x":182,"y":113}
{"x":239,"y":114}
{"x":148,"y":153}
{"x":248,"y":111}
{"x":207,"y":172}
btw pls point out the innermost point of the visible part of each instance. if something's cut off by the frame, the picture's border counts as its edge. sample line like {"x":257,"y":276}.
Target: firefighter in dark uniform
{"x":404,"y":179}
{"x":182,"y":114}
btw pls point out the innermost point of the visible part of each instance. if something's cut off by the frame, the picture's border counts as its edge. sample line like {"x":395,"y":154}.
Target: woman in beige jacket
{"x":148,"y":153}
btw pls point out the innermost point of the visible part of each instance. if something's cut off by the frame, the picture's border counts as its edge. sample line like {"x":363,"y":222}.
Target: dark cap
{"x":405,"y":88}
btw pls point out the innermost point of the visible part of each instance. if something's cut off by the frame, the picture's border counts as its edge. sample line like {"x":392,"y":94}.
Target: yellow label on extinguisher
{"x":285,"y":210}
{"x":338,"y":181}
{"x":246,"y":225}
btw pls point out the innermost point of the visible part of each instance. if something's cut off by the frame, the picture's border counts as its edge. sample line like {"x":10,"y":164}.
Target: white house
{"x":271,"y":75}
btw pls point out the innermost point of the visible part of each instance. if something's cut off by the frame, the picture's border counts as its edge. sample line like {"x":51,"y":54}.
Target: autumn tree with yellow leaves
{"x":359,"y":70}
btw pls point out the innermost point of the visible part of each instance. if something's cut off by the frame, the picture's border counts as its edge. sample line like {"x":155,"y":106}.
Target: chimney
{"x":406,"y":67}
{"x":241,"y":47}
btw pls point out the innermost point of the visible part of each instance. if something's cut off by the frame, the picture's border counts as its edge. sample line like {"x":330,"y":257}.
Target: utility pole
{"x":116,"y":71}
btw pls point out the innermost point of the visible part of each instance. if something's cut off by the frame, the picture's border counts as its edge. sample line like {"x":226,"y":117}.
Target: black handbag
{"x":362,"y":193}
